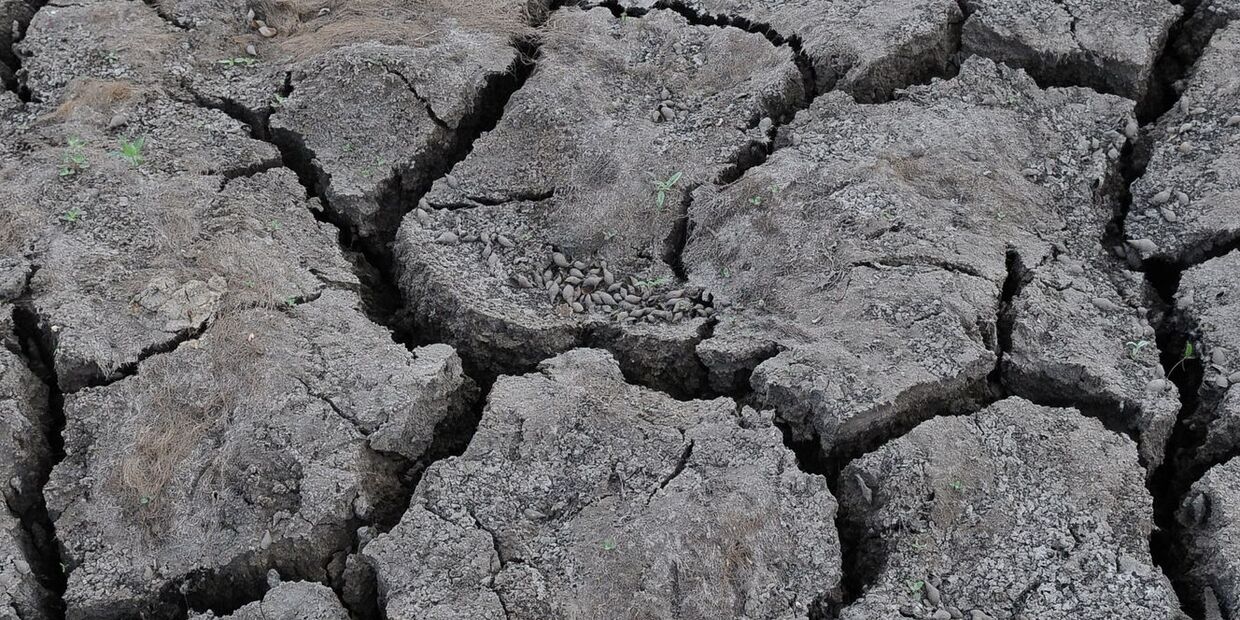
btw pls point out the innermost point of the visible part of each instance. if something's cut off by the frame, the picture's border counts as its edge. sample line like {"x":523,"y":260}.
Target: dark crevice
{"x":426,"y":104}
{"x":158,"y":7}
{"x":1180,"y":52}
{"x":13,"y":77}
{"x":47,"y":564}
{"x":1171,"y":482}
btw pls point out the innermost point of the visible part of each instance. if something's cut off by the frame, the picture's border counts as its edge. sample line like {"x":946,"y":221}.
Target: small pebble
{"x":251,"y":50}
{"x":1161,"y":197}
{"x":447,"y":238}
{"x":266,"y":31}
{"x":1234,"y":121}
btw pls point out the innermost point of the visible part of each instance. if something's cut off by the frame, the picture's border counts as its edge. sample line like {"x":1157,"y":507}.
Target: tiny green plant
{"x":131,"y":151}
{"x":278,"y":100}
{"x":291,"y":302}
{"x":756,"y":201}
{"x":957,"y":485}
{"x":655,"y":282}
{"x":916,"y":586}
{"x":609,"y":544}
{"x":74,"y":160}
{"x":661,"y":189}
{"x":275,"y":225}
{"x":1136,"y":346}
{"x":240,"y":61}
{"x":73,"y":215}
{"x":369,"y":171}
{"x":1190,"y":352}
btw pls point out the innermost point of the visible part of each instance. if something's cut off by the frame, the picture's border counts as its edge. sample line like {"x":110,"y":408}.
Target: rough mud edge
{"x":36,"y":354}
{"x":12,"y":60}
{"x":1171,"y":482}
{"x":1173,"y":64}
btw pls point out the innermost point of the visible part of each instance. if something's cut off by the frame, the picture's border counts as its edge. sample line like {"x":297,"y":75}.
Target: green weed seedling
{"x":1190,"y":352}
{"x":661,"y":188}
{"x":1136,"y":346}
{"x":74,"y":160}
{"x":131,"y":151}
{"x":72,"y":216}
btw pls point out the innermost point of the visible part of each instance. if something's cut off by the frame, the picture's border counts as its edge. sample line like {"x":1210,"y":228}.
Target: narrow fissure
{"x":1171,"y":482}
{"x":48,"y":565}
{"x":1180,"y":52}
{"x":13,"y":79}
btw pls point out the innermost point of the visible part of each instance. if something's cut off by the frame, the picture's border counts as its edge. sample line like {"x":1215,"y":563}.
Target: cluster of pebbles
{"x":584,"y":287}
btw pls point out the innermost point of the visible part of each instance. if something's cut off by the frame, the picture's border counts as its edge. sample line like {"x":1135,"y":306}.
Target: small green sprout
{"x":756,"y":201}
{"x":73,"y":215}
{"x":661,"y":189}
{"x":725,"y":272}
{"x":74,"y":160}
{"x":131,"y":151}
{"x":916,"y":586}
{"x":369,"y":171}
{"x":243,"y":61}
{"x":1136,"y":346}
{"x":609,"y":544}
{"x":275,"y":225}
{"x":291,"y":302}
{"x":278,"y":100}
{"x":1190,"y":352}
{"x":956,"y":485}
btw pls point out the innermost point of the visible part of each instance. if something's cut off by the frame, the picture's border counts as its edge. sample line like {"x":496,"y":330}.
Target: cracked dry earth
{"x":525,"y":309}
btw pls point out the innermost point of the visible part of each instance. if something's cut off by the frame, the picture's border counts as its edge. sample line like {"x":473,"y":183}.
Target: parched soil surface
{"x":529,"y":309}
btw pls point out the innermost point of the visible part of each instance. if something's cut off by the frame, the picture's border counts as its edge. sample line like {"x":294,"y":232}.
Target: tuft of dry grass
{"x":311,"y":27}
{"x":95,"y":98}
{"x":181,"y":406}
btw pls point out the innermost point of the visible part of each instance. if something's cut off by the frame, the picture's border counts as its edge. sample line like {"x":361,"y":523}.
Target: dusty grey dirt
{"x":779,"y":309}
{"x":1017,"y":511}
{"x":583,"y":496}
